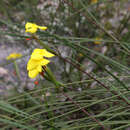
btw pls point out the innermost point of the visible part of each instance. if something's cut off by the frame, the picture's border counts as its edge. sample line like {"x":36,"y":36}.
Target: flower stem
{"x":17,"y":70}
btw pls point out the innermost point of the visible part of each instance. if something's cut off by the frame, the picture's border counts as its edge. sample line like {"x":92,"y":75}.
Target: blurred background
{"x":94,"y":35}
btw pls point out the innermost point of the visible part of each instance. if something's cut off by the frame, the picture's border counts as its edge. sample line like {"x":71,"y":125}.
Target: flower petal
{"x":13,"y":56}
{"x":39,"y":53}
{"x":42,"y":27}
{"x":30,"y":27}
{"x":36,"y":56}
{"x":33,"y":73}
{"x":44,"y":62}
{"x":32,"y":64}
{"x":39,"y":68}
{"x":47,"y":54}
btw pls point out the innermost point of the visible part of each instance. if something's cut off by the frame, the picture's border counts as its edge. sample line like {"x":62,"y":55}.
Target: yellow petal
{"x":47,"y":54}
{"x":13,"y":56}
{"x":37,"y":64}
{"x":40,"y":53}
{"x":32,"y":64}
{"x":33,"y":73}
{"x":30,"y":27}
{"x":32,"y":30}
{"x":44,"y":62}
{"x":36,"y":56}
{"x":39,"y":68}
{"x":42,"y":27}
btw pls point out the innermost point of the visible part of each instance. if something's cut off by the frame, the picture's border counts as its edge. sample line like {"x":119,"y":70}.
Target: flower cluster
{"x":32,"y":27}
{"x":37,"y":61}
{"x":13,"y":56}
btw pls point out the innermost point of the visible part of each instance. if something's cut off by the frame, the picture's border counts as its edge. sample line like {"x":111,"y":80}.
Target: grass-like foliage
{"x":86,"y":85}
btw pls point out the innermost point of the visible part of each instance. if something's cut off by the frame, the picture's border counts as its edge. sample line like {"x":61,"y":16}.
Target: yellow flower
{"x":94,"y":1}
{"x":37,"y":61}
{"x":32,"y":27}
{"x":97,"y":40}
{"x":13,"y":56}
{"x":81,"y":55}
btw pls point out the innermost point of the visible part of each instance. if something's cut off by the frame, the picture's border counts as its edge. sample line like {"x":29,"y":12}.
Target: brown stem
{"x":76,"y":66}
{"x":93,"y":118}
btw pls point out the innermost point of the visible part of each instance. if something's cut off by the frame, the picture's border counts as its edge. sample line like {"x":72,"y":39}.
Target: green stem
{"x":17,"y":70}
{"x":50,"y":114}
{"x":43,"y":44}
{"x":52,"y":78}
